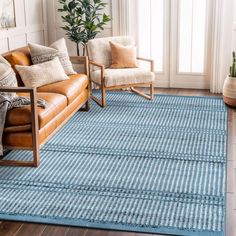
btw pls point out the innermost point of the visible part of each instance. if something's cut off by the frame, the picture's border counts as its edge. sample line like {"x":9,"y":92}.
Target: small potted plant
{"x":229,"y":89}
{"x":83,"y":19}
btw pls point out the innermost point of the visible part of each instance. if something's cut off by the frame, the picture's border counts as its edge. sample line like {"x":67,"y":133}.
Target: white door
{"x":176,"y":34}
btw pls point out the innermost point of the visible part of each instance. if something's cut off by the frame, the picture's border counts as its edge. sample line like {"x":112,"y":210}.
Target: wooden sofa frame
{"x":36,"y":146}
{"x":103,"y":88}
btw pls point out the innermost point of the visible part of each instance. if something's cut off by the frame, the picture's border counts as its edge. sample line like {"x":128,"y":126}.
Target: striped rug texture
{"x":137,"y":165}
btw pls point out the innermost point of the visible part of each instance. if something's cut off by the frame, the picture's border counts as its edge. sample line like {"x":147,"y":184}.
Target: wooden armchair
{"x":99,"y":53}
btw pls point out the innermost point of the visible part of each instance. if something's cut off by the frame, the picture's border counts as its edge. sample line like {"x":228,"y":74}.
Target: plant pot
{"x":229,"y":91}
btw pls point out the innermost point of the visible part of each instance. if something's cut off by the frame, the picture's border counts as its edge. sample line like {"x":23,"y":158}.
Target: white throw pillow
{"x":40,"y":54}
{"x":42,"y":74}
{"x":7,"y":77}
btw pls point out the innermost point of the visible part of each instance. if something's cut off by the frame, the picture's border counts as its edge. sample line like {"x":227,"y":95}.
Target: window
{"x":192,"y":36}
{"x":151,"y":30}
{"x":175,"y":33}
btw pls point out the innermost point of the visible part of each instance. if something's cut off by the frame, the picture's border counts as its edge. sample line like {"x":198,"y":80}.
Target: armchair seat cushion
{"x":119,"y":77}
{"x":56,"y":103}
{"x":70,"y":88}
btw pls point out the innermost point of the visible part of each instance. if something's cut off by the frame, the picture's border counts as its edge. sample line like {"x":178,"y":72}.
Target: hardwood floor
{"x":28,"y":229}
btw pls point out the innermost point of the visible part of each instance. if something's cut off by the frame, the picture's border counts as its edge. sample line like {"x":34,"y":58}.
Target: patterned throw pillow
{"x":42,"y":74}
{"x":40,"y":54}
{"x":7,"y":77}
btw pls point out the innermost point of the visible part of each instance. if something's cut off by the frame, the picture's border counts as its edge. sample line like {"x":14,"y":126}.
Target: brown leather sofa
{"x":30,"y":127}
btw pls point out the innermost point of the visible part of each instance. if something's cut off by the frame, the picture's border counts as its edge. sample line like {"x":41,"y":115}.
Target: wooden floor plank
{"x":76,"y":232}
{"x":9,"y":228}
{"x":235,"y":191}
{"x":117,"y":233}
{"x":234,"y":221}
{"x":51,"y":230}
{"x":138,"y":234}
{"x":230,"y":215}
{"x":30,"y":230}
{"x":97,"y":232}
{"x":230,"y":177}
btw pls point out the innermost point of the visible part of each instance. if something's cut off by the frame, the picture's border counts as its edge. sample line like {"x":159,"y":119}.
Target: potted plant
{"x":229,"y":89}
{"x":83,"y":20}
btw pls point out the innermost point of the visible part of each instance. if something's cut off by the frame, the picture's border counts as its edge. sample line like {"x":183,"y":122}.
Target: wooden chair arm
{"x":97,"y":65}
{"x":102,"y":68}
{"x":147,"y":60}
{"x":84,"y":60}
{"x":78,"y":58}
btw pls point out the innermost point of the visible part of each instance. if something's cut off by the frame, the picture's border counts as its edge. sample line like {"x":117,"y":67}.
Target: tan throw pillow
{"x":42,"y":74}
{"x":40,"y":54}
{"x":7,"y":77}
{"x":123,"y":56}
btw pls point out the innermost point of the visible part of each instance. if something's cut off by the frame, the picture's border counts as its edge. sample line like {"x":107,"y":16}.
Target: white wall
{"x":55,"y":22}
{"x":234,"y":28}
{"x":31,"y":25}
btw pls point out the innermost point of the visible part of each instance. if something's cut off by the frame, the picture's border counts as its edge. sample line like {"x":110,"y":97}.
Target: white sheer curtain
{"x":222,"y":42}
{"x":123,"y":12}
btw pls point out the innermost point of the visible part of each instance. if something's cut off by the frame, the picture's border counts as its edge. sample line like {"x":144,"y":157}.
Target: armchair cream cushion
{"x":118,"y":77}
{"x":99,"y":49}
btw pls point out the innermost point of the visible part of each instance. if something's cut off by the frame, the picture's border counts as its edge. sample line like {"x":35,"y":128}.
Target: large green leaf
{"x":84,"y":19}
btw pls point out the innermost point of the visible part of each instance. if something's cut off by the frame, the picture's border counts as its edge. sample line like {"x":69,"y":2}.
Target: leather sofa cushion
{"x":19,"y":128}
{"x":56,"y":103}
{"x":71,"y":88}
{"x":18,"y":57}
{"x":24,"y":138}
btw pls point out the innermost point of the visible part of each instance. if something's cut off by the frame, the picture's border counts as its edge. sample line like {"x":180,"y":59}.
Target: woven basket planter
{"x":229,"y":91}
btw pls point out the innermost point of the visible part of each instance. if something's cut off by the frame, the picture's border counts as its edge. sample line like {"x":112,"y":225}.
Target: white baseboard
{"x":162,"y":84}
{"x":178,"y":84}
{"x":190,"y":85}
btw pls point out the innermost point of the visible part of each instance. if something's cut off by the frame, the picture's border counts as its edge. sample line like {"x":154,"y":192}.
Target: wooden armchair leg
{"x":35,"y":129}
{"x":36,"y":157}
{"x":101,"y":102}
{"x":152,"y":91}
{"x":103,"y":97}
{"x":149,"y":97}
{"x":87,"y":105}
{"x":35,"y":142}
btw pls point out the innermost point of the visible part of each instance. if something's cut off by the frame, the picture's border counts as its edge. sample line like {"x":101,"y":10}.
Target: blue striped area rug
{"x":137,"y":165}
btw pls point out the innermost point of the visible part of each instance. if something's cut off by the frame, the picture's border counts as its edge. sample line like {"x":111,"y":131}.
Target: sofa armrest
{"x":81,"y":60}
{"x":32,"y":93}
{"x":147,"y":60}
{"x":17,"y":89}
{"x":102,"y":69}
{"x":34,"y":113}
